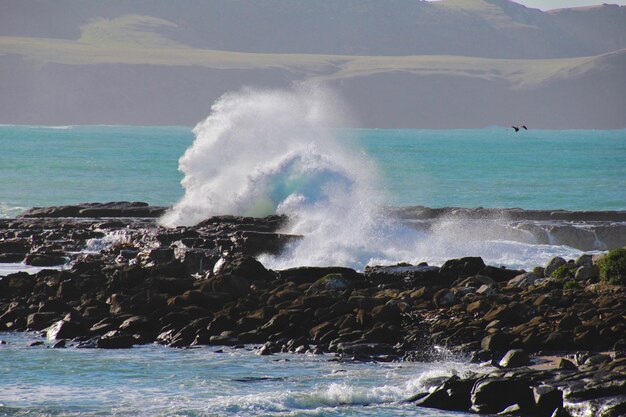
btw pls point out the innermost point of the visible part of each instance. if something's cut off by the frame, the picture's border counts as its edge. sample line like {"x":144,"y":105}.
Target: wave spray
{"x":262,"y":152}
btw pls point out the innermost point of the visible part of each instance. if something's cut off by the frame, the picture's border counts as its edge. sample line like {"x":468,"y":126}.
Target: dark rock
{"x":523,"y":280}
{"x":462,"y":267}
{"x":234,"y":285}
{"x":242,"y":266}
{"x":115,"y":340}
{"x":19,"y":284}
{"x":406,"y":275}
{"x":453,"y":395}
{"x":304,"y":275}
{"x":44,"y":259}
{"x":11,"y":257}
{"x":60,"y":344}
{"x":500,"y":274}
{"x":66,"y":329}
{"x":548,"y":399}
{"x":493,"y":395}
{"x":39,"y":321}
{"x":444,"y":298}
{"x":498,"y":342}
{"x":553,"y":265}
{"x":112,"y":209}
{"x":513,"y":313}
{"x":15,"y":247}
{"x":335,"y":283}
{"x":254,"y":243}
{"x":566,"y":364}
{"x":515,"y":358}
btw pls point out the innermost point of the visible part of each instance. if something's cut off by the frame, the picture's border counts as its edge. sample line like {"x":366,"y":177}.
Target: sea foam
{"x":261,"y":152}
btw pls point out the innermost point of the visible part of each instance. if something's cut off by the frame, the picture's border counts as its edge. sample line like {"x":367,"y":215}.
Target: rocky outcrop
{"x":189,"y":286}
{"x":112,"y":209}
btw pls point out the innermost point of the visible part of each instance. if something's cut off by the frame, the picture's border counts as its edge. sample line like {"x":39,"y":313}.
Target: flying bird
{"x":524,"y":126}
{"x":516,"y":128}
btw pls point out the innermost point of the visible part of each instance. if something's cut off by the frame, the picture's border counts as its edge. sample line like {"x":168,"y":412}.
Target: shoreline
{"x":201,"y":285}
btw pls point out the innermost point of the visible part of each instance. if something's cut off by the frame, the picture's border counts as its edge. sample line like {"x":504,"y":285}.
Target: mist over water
{"x":262,"y":152}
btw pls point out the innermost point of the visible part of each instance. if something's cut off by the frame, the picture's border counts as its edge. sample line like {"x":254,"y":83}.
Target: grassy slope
{"x":517,"y":72}
{"x":134,"y":40}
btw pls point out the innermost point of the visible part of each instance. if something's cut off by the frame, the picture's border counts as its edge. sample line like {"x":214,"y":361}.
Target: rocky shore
{"x":112,"y":278}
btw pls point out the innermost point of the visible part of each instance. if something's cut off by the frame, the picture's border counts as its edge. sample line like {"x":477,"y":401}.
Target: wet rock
{"x":112,"y":209}
{"x":39,"y":321}
{"x":68,"y":328}
{"x":515,"y":358}
{"x":334,"y":283}
{"x":115,"y":340}
{"x":493,"y":395}
{"x":242,"y":266}
{"x":60,"y":344}
{"x":11,"y":257}
{"x":406,"y":275}
{"x":463,"y":267}
{"x":15,"y":246}
{"x":304,"y":275}
{"x":453,"y":395}
{"x":548,"y":400}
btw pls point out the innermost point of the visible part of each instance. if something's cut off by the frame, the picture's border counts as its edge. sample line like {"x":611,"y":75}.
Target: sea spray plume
{"x":255,"y":149}
{"x":278,"y":151}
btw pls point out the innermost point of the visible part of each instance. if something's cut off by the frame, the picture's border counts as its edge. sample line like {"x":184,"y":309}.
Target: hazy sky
{"x":558,"y":4}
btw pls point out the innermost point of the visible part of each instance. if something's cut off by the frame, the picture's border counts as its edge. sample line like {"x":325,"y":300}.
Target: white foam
{"x":276,"y":151}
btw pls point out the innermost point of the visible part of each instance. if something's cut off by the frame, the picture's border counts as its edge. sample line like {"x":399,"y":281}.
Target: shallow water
{"x":158,"y":381}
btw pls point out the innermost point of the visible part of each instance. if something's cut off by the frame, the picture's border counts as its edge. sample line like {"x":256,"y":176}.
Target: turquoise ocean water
{"x":534,"y":169}
{"x":40,"y":166}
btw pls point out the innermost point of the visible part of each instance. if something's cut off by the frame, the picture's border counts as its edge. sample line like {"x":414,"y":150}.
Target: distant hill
{"x":399,"y":63}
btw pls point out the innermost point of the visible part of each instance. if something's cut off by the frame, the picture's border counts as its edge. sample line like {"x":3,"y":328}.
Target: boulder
{"x":548,"y":399}
{"x":44,"y":259}
{"x":453,"y":395}
{"x":500,"y":274}
{"x":463,"y":267}
{"x":242,"y":266}
{"x":515,"y":358}
{"x":493,"y":395}
{"x":302,"y":275}
{"x":335,"y":283}
{"x":496,"y":342}
{"x":234,"y":285}
{"x":406,"y":275}
{"x":587,"y":272}
{"x":115,"y":340}
{"x":523,"y":280}
{"x":39,"y":321}
{"x":68,"y":328}
{"x":553,"y":265}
